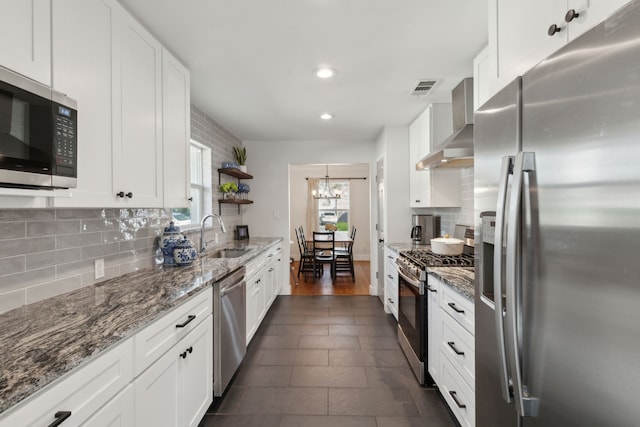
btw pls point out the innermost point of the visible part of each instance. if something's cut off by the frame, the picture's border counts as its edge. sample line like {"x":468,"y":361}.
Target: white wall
{"x":268,"y":162}
{"x":360,"y":195}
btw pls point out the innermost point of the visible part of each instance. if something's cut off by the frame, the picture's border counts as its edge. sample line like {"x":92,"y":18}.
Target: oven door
{"x":412,"y":322}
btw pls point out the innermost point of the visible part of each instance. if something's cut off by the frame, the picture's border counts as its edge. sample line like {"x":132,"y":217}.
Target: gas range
{"x":414,"y":262}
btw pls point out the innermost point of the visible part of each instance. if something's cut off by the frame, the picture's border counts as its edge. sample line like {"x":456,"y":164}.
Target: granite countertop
{"x":398,"y":247}
{"x":461,"y":279}
{"x":42,"y":341}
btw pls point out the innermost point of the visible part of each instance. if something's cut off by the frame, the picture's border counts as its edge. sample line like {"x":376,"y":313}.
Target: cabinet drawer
{"x":458,"y":345}
{"x":458,"y":307}
{"x":153,"y":341}
{"x":459,"y":397}
{"x":82,"y":392}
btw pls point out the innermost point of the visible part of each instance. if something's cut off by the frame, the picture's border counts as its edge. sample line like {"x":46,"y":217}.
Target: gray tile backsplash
{"x":46,"y":252}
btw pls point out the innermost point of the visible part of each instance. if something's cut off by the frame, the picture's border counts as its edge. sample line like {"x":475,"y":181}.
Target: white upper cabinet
{"x":137,"y":115}
{"x":82,"y":30}
{"x":436,"y":188}
{"x":176,"y":131}
{"x":25,"y":45}
{"x":133,"y":108}
{"x":481,"y":91}
{"x":524,"y":32}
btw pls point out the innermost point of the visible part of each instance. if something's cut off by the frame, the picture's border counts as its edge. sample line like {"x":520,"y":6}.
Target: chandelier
{"x":327,"y":193}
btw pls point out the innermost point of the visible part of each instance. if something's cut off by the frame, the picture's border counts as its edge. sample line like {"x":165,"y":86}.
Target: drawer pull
{"x":390,"y":276}
{"x":60,"y":417}
{"x":183,"y":354}
{"x":390,"y":300}
{"x":186,"y":322}
{"x":430,"y":289}
{"x":190,"y":349}
{"x":454,"y":395}
{"x":455,"y":349}
{"x":455,"y":307}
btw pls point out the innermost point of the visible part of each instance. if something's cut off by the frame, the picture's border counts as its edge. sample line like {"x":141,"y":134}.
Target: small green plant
{"x":241,"y":154}
{"x":229,"y":187}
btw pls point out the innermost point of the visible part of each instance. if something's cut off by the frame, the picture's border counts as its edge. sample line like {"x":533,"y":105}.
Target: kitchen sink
{"x":228,"y":253}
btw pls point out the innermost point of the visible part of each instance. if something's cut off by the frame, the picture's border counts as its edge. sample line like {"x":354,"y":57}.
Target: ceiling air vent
{"x":423,"y":87}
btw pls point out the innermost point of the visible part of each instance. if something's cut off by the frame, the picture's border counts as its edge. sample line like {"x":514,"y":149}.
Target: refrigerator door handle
{"x":505,"y":171}
{"x":526,"y":405}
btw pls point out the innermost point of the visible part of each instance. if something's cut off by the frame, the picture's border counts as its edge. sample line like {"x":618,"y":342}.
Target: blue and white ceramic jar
{"x":168,"y":241}
{"x":184,"y":253}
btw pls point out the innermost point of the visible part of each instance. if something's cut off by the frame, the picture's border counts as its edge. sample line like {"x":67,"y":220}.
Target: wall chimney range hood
{"x":455,"y":152}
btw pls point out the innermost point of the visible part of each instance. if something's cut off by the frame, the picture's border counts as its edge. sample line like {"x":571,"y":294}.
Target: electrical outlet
{"x":99,"y":268}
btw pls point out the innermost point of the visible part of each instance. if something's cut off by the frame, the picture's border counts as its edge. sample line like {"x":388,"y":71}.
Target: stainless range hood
{"x":455,"y":152}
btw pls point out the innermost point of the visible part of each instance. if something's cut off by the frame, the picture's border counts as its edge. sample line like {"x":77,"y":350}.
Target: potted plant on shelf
{"x":229,"y":190}
{"x":241,"y":157}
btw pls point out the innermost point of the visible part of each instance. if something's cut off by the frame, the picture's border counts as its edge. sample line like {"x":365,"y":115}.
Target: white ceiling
{"x":252,"y":61}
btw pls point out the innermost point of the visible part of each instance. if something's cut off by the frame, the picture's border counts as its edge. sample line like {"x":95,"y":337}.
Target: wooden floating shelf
{"x":232,"y":202}
{"x":235,"y":172}
{"x":236,"y":201}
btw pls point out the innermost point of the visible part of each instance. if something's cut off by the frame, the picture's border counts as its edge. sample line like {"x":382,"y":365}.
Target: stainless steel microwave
{"x":38,"y":135}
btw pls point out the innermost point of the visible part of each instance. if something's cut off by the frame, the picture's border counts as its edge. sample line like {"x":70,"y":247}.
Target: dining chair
{"x":324,"y":245}
{"x":306,"y":264}
{"x":344,"y":257}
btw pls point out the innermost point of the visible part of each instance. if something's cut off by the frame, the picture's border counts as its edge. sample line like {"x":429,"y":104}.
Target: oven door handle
{"x":413,"y":282}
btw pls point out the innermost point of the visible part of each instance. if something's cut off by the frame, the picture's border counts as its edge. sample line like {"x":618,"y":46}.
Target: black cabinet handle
{"x":553,"y":28}
{"x":455,"y":349}
{"x":190,"y":349}
{"x":571,"y":15}
{"x":190,"y":199}
{"x":60,"y":417}
{"x":183,"y":354}
{"x":390,"y":300}
{"x":122,"y":194}
{"x":129,"y":195}
{"x":454,"y":395}
{"x":455,"y":308}
{"x":186,"y":322}
{"x":430,"y":289}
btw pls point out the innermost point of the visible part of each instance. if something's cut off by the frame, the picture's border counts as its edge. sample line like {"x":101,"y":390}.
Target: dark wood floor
{"x":327,"y":361}
{"x":343,"y":285}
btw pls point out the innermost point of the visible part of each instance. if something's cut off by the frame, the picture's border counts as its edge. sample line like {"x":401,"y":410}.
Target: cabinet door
{"x":591,"y":13}
{"x":518,"y":36}
{"x":157,"y":393}
{"x":196,"y":373}
{"x":277,"y":284}
{"x":252,"y":310}
{"x":434,"y":320}
{"x":481,"y":91}
{"x":137,"y":113}
{"x":82,"y":29}
{"x":25,"y":45}
{"x":176,"y":131}
{"x":418,"y":180}
{"x":119,"y":412}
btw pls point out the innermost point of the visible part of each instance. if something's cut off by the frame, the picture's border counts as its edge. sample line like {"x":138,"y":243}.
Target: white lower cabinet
{"x":390,"y":282}
{"x":80,"y":394}
{"x":178,"y":388}
{"x":452,"y":355}
{"x":263,"y":278}
{"x":434,"y":320}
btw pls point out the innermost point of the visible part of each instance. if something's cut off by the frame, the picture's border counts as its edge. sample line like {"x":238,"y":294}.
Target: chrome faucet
{"x":203,"y":244}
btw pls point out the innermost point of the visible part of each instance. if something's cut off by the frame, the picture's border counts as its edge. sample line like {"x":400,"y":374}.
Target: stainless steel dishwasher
{"x":229,"y":328}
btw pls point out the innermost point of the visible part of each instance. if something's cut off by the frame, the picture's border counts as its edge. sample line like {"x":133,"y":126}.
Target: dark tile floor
{"x":327,"y":361}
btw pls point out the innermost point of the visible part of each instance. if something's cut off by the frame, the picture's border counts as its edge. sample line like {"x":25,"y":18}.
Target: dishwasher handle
{"x":230,"y":289}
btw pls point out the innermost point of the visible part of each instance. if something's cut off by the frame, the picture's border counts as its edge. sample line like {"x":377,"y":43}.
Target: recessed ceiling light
{"x":326,"y":116}
{"x":324,"y":72}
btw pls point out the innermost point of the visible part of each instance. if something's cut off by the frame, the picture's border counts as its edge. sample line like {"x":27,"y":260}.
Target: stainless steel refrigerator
{"x":557,"y":208}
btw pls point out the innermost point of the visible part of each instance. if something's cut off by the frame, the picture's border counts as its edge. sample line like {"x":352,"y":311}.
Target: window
{"x":334,"y":211}
{"x":200,"y":156}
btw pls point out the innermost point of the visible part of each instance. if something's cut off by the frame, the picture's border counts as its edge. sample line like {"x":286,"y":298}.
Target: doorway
{"x":342,"y":201}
